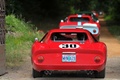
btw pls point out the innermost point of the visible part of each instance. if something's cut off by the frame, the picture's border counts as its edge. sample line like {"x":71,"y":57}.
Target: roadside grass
{"x":19,"y":39}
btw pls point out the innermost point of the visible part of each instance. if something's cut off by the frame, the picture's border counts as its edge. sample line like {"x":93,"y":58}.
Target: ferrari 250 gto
{"x":68,"y":50}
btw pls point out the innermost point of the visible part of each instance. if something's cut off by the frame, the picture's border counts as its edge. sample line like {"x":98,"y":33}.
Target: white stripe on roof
{"x":79,"y":15}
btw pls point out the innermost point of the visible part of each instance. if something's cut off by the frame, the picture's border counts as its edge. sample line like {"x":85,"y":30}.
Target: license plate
{"x":68,"y":58}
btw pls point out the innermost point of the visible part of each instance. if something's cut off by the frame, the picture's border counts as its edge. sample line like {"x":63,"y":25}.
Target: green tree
{"x":59,"y":8}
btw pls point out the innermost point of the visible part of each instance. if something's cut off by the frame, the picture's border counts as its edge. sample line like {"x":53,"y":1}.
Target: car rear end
{"x":69,"y":56}
{"x":91,"y":27}
{"x":68,"y":51}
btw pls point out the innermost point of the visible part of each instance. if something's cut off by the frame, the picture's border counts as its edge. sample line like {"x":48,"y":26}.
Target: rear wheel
{"x":98,"y":38}
{"x":36,"y":74}
{"x":100,"y":74}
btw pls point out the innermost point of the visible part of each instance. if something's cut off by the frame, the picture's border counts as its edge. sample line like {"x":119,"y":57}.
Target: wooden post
{"x":2,"y":37}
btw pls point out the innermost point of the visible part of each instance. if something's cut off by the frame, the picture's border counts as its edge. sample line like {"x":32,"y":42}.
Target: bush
{"x":19,"y":38}
{"x":115,"y":30}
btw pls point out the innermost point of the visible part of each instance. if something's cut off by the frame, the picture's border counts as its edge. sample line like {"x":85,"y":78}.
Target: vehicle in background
{"x":95,"y":13}
{"x":81,"y":21}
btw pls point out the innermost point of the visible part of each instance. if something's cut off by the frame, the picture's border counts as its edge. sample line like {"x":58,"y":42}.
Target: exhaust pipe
{"x":47,"y":72}
{"x":89,"y":72}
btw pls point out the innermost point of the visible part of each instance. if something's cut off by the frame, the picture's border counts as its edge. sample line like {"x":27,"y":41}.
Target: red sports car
{"x":81,"y":21}
{"x":68,"y":50}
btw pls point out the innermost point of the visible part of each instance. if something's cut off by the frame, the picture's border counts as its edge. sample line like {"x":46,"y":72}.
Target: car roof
{"x":81,"y":16}
{"x":75,"y":15}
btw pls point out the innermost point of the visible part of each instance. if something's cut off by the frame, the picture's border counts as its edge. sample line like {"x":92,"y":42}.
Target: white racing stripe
{"x":79,"y":15}
{"x":79,"y":23}
{"x":90,"y":27}
{"x":89,"y":24}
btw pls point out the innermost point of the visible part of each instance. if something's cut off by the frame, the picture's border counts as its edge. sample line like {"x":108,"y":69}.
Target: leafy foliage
{"x":56,"y":8}
{"x":45,"y":8}
{"x":114,"y":30}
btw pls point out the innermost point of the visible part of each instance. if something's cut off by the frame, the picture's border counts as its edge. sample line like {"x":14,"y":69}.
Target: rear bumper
{"x":96,"y":67}
{"x":85,"y":60}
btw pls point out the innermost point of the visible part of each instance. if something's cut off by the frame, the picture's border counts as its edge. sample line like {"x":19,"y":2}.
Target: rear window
{"x":79,"y":19}
{"x":69,"y":36}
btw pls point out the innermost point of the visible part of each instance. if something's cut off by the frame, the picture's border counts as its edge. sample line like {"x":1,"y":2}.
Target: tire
{"x":100,"y":74}
{"x":36,"y":74}
{"x":98,"y":38}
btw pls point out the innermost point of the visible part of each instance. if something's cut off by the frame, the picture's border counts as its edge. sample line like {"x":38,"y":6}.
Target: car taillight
{"x":94,"y":31}
{"x":40,"y":59}
{"x":97,"y":59}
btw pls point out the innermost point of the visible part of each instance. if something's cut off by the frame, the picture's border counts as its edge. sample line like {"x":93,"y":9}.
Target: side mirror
{"x":62,"y":21}
{"x":36,"y":39}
